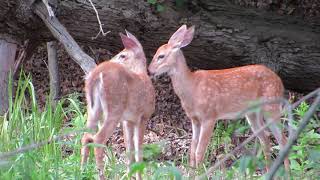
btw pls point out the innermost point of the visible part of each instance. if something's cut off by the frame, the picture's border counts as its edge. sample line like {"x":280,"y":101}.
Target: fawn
{"x":210,"y":95}
{"x":117,"y":91}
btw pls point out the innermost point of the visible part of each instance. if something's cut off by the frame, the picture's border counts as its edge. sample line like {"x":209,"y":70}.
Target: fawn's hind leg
{"x":274,"y":114}
{"x":94,"y":114}
{"x":101,"y":138}
{"x":256,"y":122}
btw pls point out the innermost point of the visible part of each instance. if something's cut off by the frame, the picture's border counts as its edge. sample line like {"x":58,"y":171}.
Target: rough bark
{"x":7,"y":56}
{"x":226,"y":35}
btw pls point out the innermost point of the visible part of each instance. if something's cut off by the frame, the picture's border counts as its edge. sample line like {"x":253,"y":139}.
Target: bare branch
{"x":25,"y":53}
{"x":100,"y":24}
{"x":311,"y":94}
{"x":37,"y":145}
{"x":229,"y":155}
{"x":61,"y":34}
{"x":288,"y":108}
{"x":21,"y":56}
{"x":249,"y":139}
{"x":284,"y":152}
{"x":50,"y":11}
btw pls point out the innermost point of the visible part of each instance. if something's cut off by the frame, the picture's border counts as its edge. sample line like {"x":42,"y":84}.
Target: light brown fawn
{"x":117,"y":91}
{"x":209,"y":95}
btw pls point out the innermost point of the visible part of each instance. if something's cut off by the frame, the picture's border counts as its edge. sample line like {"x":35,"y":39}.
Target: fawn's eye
{"x":122,"y":56}
{"x":161,"y":56}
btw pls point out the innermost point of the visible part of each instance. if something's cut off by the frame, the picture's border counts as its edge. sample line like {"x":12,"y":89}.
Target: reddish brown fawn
{"x":117,"y":91}
{"x":209,"y":95}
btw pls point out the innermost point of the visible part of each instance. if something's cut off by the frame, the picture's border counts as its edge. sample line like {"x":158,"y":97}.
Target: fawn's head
{"x":132,"y":56}
{"x":165,"y":58}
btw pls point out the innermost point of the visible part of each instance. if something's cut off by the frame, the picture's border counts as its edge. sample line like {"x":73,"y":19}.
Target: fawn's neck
{"x":181,"y":78}
{"x":140,"y":67}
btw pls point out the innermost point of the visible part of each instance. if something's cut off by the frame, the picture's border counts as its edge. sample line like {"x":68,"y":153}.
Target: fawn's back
{"x":120,"y":89}
{"x":223,"y":93}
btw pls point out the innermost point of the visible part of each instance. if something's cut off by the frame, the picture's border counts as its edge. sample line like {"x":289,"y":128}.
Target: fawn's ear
{"x":188,"y":36}
{"x":177,"y":38}
{"x":128,"y":42}
{"x":131,"y":36}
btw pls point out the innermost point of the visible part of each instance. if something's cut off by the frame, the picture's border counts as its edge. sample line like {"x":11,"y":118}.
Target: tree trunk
{"x":227,"y":35}
{"x":7,"y":56}
{"x":53,"y":72}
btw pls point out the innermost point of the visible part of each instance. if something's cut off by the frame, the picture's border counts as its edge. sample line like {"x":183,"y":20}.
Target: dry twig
{"x":100,"y":24}
{"x":21,"y":56}
{"x":50,"y":11}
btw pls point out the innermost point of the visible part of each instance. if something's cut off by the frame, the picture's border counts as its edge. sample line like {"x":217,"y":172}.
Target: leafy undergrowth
{"x":26,"y":124}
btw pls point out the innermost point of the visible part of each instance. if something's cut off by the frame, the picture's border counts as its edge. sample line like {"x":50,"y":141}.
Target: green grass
{"x":26,"y":123}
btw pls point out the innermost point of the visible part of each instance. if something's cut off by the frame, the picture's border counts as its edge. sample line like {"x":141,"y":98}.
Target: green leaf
{"x":227,"y":139}
{"x":294,"y":165}
{"x":160,"y":8}
{"x":294,"y":156}
{"x":137,"y":167}
{"x":302,"y":109}
{"x":314,"y":155}
{"x":242,"y":129}
{"x":244,"y":163}
{"x":153,"y":2}
{"x":281,"y":172}
{"x":151,"y":151}
{"x":312,"y":135}
{"x":168,"y":171}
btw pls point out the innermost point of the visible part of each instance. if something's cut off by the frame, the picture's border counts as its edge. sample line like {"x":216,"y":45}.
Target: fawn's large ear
{"x":177,"y":38}
{"x":131,"y":36}
{"x":188,"y":36}
{"x":128,"y":42}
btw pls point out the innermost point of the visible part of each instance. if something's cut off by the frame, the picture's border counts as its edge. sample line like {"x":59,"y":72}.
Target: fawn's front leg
{"x":139,"y":130}
{"x":206,"y":128}
{"x":128,"y":132}
{"x":194,"y":142}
